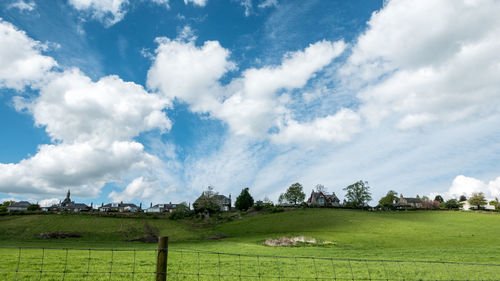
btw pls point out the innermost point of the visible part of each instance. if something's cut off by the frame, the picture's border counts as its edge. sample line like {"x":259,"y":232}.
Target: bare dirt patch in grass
{"x":295,"y":241}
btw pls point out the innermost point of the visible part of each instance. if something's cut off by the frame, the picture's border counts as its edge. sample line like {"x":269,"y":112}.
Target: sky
{"x":155,"y":100}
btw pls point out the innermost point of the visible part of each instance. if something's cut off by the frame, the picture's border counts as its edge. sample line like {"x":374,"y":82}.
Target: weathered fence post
{"x":161,"y":261}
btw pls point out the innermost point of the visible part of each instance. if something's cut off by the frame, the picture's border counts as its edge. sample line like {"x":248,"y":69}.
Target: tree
{"x":462,"y":198}
{"x":320,"y":188}
{"x":425,"y":198}
{"x":452,"y":204}
{"x":439,"y":198}
{"x":388,"y":200}
{"x":244,"y":201}
{"x":5,"y":204}
{"x":293,"y":195}
{"x":358,"y":194}
{"x":34,"y":207}
{"x":181,"y":211}
{"x":207,"y":202}
{"x":477,"y":199}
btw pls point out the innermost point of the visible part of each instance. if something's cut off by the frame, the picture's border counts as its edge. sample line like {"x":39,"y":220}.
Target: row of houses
{"x":316,"y":199}
{"x":69,"y":206}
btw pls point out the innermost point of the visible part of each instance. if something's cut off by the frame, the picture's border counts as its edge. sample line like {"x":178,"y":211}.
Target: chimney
{"x":102,"y":204}
{"x":151,"y":205}
{"x":140,"y":206}
{"x":91,"y":205}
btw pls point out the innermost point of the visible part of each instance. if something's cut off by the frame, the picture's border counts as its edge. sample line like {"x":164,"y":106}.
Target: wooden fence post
{"x":161,"y":262}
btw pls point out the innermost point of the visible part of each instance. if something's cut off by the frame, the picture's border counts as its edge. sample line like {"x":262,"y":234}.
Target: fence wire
{"x":69,"y":264}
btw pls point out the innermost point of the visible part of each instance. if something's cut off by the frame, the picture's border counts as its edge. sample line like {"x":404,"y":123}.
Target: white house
{"x":467,"y":206}
{"x":161,"y":208}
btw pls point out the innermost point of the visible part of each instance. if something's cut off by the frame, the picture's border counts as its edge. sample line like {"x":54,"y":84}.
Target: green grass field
{"x":409,"y":237}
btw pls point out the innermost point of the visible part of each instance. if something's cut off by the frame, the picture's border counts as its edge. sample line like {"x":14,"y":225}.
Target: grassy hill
{"x":407,"y":236}
{"x":436,"y":235}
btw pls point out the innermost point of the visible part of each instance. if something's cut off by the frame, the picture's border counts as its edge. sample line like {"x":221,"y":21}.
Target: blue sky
{"x":154,"y":100}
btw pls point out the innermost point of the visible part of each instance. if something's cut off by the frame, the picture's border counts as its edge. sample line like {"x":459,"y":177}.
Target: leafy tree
{"x":244,"y":201}
{"x":358,"y":194}
{"x":477,"y":199}
{"x":388,"y":200}
{"x":439,"y":198}
{"x":181,"y":211}
{"x":34,"y":207}
{"x":452,"y":204}
{"x":293,"y":195}
{"x":462,"y":198}
{"x":425,"y":198}
{"x":494,"y":202}
{"x":320,"y":188}
{"x":207,"y":202}
{"x":5,"y":204}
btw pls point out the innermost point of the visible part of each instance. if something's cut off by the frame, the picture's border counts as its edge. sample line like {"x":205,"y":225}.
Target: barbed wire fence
{"x":164,"y":263}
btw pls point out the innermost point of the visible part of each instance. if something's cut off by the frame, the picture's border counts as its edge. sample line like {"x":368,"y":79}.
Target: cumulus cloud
{"x":21,"y":61}
{"x":91,"y":124}
{"x":108,"y":12}
{"x":428,"y":61}
{"x":250,"y":104}
{"x":73,"y":108}
{"x":187,"y":72}
{"x":463,"y":185}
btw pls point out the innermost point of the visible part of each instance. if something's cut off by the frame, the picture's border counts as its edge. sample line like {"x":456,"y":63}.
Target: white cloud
{"x":48,"y":202}
{"x":92,"y":125}
{"x":139,"y":188}
{"x":22,"y":5}
{"x":21,"y":61}
{"x":427,"y":62}
{"x":250,"y":104}
{"x":108,"y":12}
{"x":268,"y":3}
{"x":72,"y":108}
{"x":190,"y":73}
{"x":463,"y":185}
{"x":332,"y":128}
{"x":200,"y":3}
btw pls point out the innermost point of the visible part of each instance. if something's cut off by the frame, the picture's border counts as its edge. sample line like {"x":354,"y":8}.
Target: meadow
{"x":356,"y":245}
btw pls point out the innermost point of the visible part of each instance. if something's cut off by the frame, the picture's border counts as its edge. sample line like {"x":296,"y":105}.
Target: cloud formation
{"x":427,"y":62}
{"x":21,"y":60}
{"x":91,"y":124}
{"x":251,"y":104}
